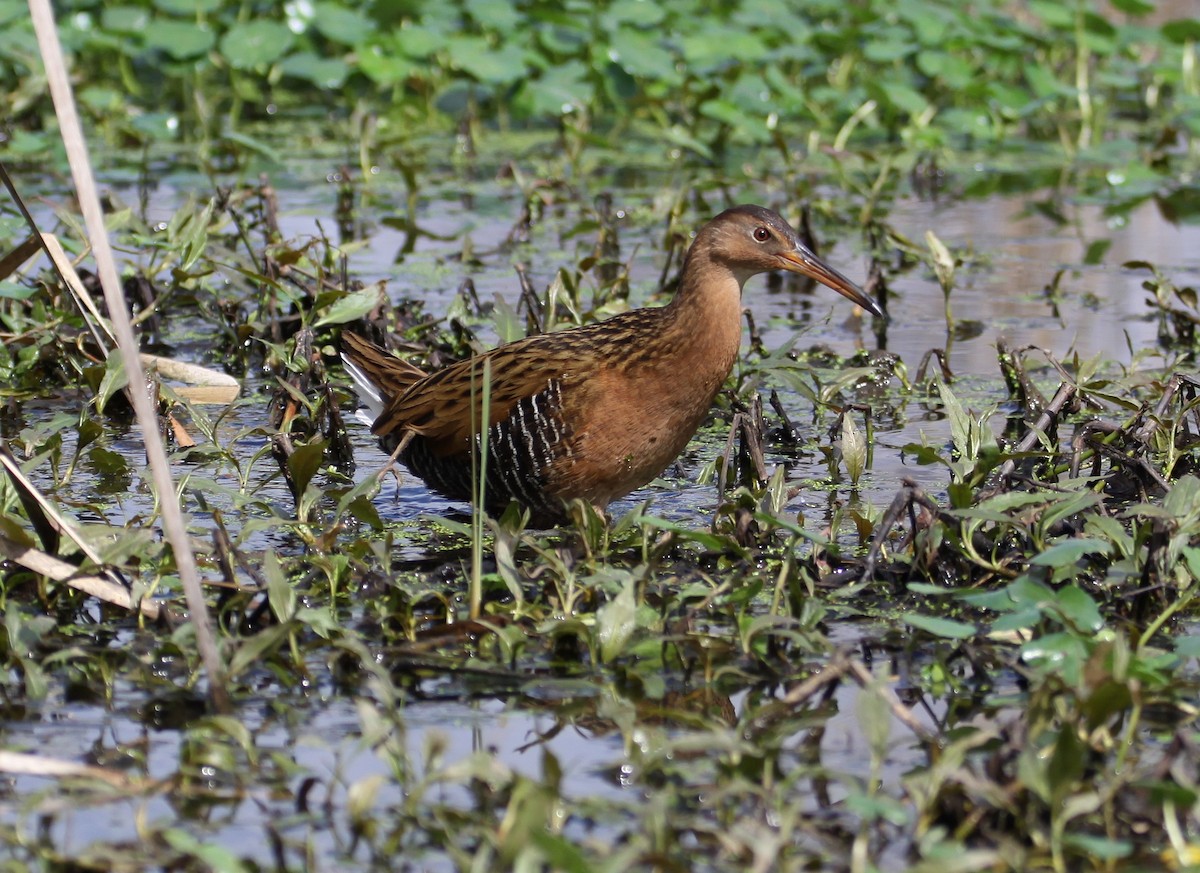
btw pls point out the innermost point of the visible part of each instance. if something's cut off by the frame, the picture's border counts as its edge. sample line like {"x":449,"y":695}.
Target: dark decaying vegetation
{"x":996,"y":673}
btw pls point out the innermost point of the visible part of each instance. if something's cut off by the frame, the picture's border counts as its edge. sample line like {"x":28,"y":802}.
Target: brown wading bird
{"x":595,"y":411}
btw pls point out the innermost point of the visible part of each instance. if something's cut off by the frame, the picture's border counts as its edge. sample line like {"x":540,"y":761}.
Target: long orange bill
{"x":806,"y":263}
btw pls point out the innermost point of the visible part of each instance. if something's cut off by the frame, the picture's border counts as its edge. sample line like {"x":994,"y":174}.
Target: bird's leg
{"x":390,"y":466}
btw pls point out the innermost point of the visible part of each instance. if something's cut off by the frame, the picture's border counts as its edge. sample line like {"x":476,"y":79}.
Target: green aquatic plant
{"x":781,"y":671}
{"x":932,"y":77}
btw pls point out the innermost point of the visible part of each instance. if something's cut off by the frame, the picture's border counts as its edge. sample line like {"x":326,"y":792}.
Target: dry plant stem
{"x":1017,"y":378}
{"x":1174,"y":386}
{"x":938,"y":355}
{"x":107,"y":589}
{"x":1086,"y":435}
{"x":723,"y":469}
{"x":1053,"y":410}
{"x":752,"y":440}
{"x":842,"y":665}
{"x":789,"y":432}
{"x":533,"y":306}
{"x":59,"y":768}
{"x":831,"y":672}
{"x":910,"y":494}
{"x":903,"y":714}
{"x":1138,"y":466}
{"x":54,"y":251}
{"x":107,"y":584}
{"x":12,"y":261}
{"x":89,"y":201}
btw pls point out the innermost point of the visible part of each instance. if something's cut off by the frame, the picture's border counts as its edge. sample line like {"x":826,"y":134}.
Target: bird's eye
{"x":762,"y":234}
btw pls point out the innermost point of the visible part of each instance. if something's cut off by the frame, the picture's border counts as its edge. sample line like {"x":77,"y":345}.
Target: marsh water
{"x":1013,"y":252}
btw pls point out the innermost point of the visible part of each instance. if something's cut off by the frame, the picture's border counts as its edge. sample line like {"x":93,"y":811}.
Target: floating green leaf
{"x":181,"y":40}
{"x":342,"y":23}
{"x":256,"y":43}
{"x":940,"y":627}
{"x":1069,"y":551}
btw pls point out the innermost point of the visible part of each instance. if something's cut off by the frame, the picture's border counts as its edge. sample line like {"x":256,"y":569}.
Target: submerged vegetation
{"x":991,"y":672}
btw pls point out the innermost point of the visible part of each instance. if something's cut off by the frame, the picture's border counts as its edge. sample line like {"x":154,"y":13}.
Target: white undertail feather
{"x":367,"y":392}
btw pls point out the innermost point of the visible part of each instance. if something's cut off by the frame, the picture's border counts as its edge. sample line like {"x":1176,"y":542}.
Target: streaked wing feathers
{"x":439,"y":407}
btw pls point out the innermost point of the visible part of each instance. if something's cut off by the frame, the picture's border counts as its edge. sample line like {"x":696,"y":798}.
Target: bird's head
{"x":749,"y":240}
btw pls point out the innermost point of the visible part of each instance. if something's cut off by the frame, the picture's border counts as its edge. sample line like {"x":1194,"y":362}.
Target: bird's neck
{"x":703,"y":323}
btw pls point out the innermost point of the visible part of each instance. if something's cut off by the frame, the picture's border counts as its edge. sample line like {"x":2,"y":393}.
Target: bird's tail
{"x":378,"y":375}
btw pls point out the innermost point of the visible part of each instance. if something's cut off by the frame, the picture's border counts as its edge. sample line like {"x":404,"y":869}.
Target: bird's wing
{"x":446,"y":407}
